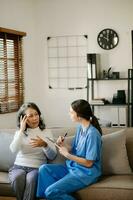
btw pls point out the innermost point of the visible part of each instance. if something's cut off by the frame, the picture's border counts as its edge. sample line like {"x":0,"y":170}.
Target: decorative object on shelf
{"x":108,"y":39}
{"x":107,"y":74}
{"x":115,"y":75}
{"x":93,"y":61}
{"x":119,"y":98}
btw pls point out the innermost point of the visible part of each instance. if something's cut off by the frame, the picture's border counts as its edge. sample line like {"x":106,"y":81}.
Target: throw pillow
{"x":114,"y":154}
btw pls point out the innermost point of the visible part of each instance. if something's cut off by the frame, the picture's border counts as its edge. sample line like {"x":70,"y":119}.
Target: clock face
{"x":107,"y":39}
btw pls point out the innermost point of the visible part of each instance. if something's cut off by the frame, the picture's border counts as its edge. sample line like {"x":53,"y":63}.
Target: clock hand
{"x":106,"y":38}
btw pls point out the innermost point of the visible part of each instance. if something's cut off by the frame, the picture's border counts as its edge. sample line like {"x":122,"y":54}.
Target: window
{"x":11,"y":70}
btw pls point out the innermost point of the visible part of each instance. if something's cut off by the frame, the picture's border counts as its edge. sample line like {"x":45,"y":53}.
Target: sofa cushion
{"x":5,"y":187}
{"x":109,"y":188}
{"x":4,"y":178}
{"x":114,"y":154}
{"x":6,"y":156}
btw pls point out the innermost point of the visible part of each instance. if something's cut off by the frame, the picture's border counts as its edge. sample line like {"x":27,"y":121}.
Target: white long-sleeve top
{"x":26,"y":154}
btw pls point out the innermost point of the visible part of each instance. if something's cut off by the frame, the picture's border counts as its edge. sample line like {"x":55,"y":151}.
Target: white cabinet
{"x":119,"y":116}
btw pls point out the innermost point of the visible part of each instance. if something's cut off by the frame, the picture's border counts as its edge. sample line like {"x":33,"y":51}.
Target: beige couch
{"x":117,"y":180}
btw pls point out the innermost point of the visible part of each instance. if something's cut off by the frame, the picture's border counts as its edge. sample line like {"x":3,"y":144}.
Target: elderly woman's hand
{"x":23,"y":121}
{"x":38,"y":142}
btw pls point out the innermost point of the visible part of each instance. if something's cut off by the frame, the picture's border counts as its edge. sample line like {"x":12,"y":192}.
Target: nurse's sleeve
{"x":92,"y":147}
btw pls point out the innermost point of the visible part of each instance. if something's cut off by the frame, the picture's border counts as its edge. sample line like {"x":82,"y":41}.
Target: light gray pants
{"x":24,"y":182}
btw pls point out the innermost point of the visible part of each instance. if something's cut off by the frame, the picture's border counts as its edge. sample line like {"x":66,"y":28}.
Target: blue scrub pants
{"x":55,"y":182}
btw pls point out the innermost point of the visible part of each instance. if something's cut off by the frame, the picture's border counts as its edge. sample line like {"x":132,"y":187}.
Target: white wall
{"x":42,"y":18}
{"x":19,"y":15}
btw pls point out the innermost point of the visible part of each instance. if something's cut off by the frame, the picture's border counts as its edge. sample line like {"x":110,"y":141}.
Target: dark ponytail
{"x":83,"y":109}
{"x":95,"y":123}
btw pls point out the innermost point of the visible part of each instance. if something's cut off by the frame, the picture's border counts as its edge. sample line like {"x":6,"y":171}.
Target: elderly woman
{"x":33,"y":149}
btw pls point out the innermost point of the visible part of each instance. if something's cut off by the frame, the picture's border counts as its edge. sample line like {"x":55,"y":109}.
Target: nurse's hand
{"x":60,"y":141}
{"x":63,"y":151}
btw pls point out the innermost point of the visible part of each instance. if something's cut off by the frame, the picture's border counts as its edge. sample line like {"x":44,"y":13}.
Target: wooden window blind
{"x":11,"y":70}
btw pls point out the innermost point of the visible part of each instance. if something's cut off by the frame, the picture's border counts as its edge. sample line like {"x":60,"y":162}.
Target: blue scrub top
{"x":86,"y":144}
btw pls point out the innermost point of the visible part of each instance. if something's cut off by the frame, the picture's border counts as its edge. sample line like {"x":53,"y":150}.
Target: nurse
{"x":83,"y":158}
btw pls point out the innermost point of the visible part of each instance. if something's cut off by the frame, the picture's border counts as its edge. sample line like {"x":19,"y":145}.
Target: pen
{"x":65,"y":135}
{"x":63,"y":138}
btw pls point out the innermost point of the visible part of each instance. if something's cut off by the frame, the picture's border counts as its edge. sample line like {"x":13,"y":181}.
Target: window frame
{"x":11,"y":70}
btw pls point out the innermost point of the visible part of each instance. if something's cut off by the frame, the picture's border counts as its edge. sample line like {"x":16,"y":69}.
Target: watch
{"x":108,"y":39}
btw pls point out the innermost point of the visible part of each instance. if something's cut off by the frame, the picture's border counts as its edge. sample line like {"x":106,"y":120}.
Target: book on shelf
{"x":97,"y":101}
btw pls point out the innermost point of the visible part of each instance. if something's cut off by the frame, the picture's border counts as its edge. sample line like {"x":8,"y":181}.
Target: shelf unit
{"x":129,"y":103}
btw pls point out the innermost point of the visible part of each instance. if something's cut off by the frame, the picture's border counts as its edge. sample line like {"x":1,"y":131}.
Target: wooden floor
{"x":7,"y":198}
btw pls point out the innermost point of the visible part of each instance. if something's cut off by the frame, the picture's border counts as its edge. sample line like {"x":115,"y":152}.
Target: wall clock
{"x":108,"y":39}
